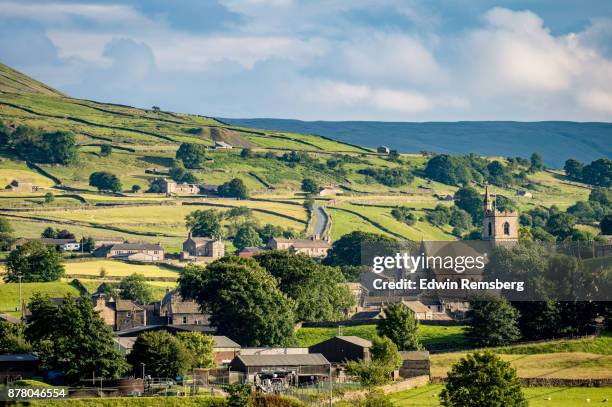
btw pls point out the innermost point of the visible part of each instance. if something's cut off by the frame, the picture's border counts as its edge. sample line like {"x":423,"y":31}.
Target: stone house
{"x":203,"y":247}
{"x":20,"y":186}
{"x":177,"y":311}
{"x":120,"y":314}
{"x":327,"y":191}
{"x":309,"y":247}
{"x":171,"y":187}
{"x":133,"y":251}
{"x":341,"y":349}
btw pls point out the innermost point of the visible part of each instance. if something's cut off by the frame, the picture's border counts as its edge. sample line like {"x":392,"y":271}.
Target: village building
{"x":20,"y":186}
{"x":300,"y":368}
{"x":414,"y":364}
{"x":250,"y":251}
{"x":177,"y":311}
{"x":309,"y":247}
{"x":205,"y":247}
{"x":421,"y":311}
{"x":146,"y":252}
{"x":327,"y":191}
{"x":63,"y":245}
{"x":499,"y":227}
{"x":341,"y":349}
{"x":171,"y":187}
{"x":221,"y":145}
{"x":120,"y":314}
{"x":18,"y":366}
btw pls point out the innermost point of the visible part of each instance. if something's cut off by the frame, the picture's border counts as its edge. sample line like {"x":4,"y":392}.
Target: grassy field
{"x":428,"y":334}
{"x":7,"y":175}
{"x":537,"y":396}
{"x":196,"y":401}
{"x":117,"y":269}
{"x":9,"y":293}
{"x":600,"y":345}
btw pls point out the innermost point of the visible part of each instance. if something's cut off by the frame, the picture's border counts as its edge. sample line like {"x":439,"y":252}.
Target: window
{"x":506,"y":228}
{"x":490,"y":229}
{"x":184,"y":320}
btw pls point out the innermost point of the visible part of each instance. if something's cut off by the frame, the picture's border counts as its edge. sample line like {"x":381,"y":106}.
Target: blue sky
{"x":399,"y":60}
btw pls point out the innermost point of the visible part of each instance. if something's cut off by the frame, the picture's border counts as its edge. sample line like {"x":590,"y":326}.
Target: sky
{"x":391,"y":60}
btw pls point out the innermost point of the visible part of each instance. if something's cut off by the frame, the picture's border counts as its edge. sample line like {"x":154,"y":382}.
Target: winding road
{"x":320,"y":221}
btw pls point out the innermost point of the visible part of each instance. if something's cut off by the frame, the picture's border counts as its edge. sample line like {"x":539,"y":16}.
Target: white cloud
{"x":596,"y":100}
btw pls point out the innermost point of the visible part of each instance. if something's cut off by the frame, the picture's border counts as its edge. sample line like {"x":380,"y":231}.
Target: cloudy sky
{"x":400,"y":60}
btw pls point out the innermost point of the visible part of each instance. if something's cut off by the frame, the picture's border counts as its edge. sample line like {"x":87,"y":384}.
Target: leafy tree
{"x":244,"y":301}
{"x":385,"y":352}
{"x":205,"y":223}
{"x":65,"y":234}
{"x":135,"y":287}
{"x":310,"y":186}
{"x":49,"y":233}
{"x":482,"y":380}
{"x":606,"y":225}
{"x":49,"y":197}
{"x":269,"y":231}
{"x":201,"y":346}
{"x":598,"y":172}
{"x":4,"y":134}
{"x":179,"y":174}
{"x":391,"y":177}
{"x":12,"y":339}
{"x":456,"y":170}
{"x":561,"y":225}
{"x":192,"y":155}
{"x":573,"y":169}
{"x":399,"y":324}
{"x":503,"y":203}
{"x":318,"y":290}
{"x":234,"y":189}
{"x":246,"y":153}
{"x":163,"y":355}
{"x":376,"y":398}
{"x":536,"y":162}
{"x":105,"y":181}
{"x":35,"y":262}
{"x":6,"y":234}
{"x":73,"y":338}
{"x":58,"y":147}
{"x":238,"y":394}
{"x":493,"y":322}
{"x":602,"y":196}
{"x":347,"y":249}
{"x":106,"y":150}
{"x":403,"y":214}
{"x":247,"y":236}
{"x":136,"y":188}
{"x":469,"y":200}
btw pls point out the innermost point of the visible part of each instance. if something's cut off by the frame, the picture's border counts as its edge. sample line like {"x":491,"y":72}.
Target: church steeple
{"x":489,"y":200}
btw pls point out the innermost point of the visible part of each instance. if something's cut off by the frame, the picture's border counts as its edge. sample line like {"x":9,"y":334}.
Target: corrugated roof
{"x":356,"y":340}
{"x":311,"y":359}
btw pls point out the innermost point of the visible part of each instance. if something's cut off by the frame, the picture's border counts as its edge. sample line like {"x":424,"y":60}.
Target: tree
{"x":536,"y":162}
{"x":243,"y":299}
{"x":573,"y":169}
{"x":310,"y":186}
{"x":205,"y":223}
{"x":233,"y":189}
{"x":12,"y":338}
{"x":561,"y":225}
{"x":136,"y":188}
{"x":399,"y":324}
{"x":49,"y":197}
{"x":163,"y":355}
{"x":238,"y":394}
{"x":469,"y":200}
{"x":201,"y":346}
{"x":72,"y":337}
{"x":58,"y":147}
{"x":34,"y":262}
{"x":65,"y":234}
{"x":246,"y":153}
{"x":49,"y":233}
{"x":179,"y":174}
{"x":482,"y":380}
{"x":106,"y":150}
{"x":403,"y":214}
{"x":247,"y":236}
{"x":606,"y":225}
{"x":347,"y":249}
{"x":598,"y":172}
{"x":135,"y":287}
{"x":6,"y":234}
{"x":105,"y":181}
{"x":4,"y":134}
{"x":192,"y":155}
{"x":385,"y":352}
{"x":319,"y":291}
{"x":493,"y":322}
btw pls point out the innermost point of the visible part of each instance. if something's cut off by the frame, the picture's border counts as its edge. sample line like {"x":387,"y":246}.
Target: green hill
{"x":144,"y":144}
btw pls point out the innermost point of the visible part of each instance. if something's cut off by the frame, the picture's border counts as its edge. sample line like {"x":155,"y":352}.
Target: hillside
{"x":144,"y":144}
{"x":556,"y":141}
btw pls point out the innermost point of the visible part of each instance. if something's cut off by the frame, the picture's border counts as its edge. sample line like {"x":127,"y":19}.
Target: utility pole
{"x":331,"y":386}
{"x":20,"y":276}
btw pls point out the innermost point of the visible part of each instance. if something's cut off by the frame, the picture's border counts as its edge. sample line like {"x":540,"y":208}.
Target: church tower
{"x":498,"y":227}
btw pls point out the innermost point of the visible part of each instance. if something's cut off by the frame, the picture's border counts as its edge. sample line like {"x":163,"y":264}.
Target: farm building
{"x":421,"y":311}
{"x":250,"y":251}
{"x":64,"y":245}
{"x":340,"y":349}
{"x":172,"y":187}
{"x":222,"y":145}
{"x":304,"y":367}
{"x":20,"y":186}
{"x":18,"y":366}
{"x":107,"y":241}
{"x":132,"y":251}
{"x":415,"y":364}
{"x":120,"y":314}
{"x":327,"y":191}
{"x":195,"y":247}
{"x":310,"y":247}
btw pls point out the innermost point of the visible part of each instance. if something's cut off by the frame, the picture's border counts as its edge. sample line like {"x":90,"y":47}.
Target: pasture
{"x":116,"y":269}
{"x":9,"y":293}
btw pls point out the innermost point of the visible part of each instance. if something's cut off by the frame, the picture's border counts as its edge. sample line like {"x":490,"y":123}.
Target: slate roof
{"x":137,"y":246}
{"x":356,"y":340}
{"x":224,"y":342}
{"x":310,"y":359}
{"x":303,"y":243}
{"x":22,"y":357}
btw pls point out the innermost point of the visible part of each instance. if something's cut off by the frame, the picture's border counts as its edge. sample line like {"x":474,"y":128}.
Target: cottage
{"x":133,"y":251}
{"x":222,"y":145}
{"x":120,"y":314}
{"x":20,"y":186}
{"x":172,"y":187}
{"x":341,"y":349}
{"x":202,"y":247}
{"x":327,"y":191}
{"x":177,"y":311}
{"x":250,"y":251}
{"x":421,"y":311}
{"x":64,"y":245}
{"x":303,"y":367}
{"x":309,"y":247}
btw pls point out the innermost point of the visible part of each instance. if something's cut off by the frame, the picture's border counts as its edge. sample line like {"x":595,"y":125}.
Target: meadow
{"x":9,"y":293}
{"x":116,"y":269}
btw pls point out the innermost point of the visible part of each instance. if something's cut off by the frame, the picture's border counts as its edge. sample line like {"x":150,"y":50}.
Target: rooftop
{"x":310,"y":359}
{"x":356,"y":340}
{"x":137,"y":246}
